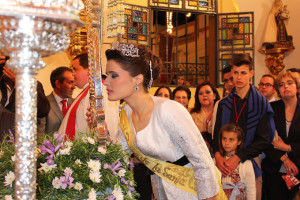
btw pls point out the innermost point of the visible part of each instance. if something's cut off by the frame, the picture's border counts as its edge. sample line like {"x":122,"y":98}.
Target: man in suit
{"x":62,"y":81}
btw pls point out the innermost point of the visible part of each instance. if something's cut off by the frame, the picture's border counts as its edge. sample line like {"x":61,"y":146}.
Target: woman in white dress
{"x":161,"y":128}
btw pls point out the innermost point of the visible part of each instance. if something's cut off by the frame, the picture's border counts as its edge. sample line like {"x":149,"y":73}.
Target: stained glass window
{"x":206,"y":6}
{"x":136,"y":25}
{"x":235,"y":36}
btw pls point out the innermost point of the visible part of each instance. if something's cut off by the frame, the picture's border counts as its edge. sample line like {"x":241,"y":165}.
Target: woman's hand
{"x":280,"y":145}
{"x":291,"y":168}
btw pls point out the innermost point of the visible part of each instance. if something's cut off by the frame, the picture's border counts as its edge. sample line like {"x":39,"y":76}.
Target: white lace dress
{"x":171,"y":134}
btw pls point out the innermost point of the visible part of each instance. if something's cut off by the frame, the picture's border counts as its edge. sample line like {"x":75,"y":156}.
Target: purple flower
{"x":58,"y":137}
{"x":116,"y":166}
{"x":123,"y":180}
{"x":131,"y":189}
{"x":49,"y":148}
{"x":111,"y":197}
{"x":65,"y":181}
{"x":12,"y":137}
{"x":50,"y":160}
{"x":130,"y":164}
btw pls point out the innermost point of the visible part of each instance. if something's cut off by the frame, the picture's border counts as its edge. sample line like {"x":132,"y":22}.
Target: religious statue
{"x":277,"y":40}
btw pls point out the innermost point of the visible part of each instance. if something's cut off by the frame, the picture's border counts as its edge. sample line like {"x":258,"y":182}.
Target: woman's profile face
{"x":206,"y":95}
{"x":164,"y":93}
{"x":287,"y":88}
{"x":119,"y":84}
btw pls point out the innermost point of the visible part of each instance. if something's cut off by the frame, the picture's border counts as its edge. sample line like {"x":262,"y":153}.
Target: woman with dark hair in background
{"x":164,"y":92}
{"x":206,"y":96}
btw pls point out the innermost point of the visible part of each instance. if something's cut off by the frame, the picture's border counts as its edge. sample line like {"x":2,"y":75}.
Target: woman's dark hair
{"x":137,"y":65}
{"x":182,"y":88}
{"x":197,"y":106}
{"x":170,"y":91}
{"x":231,"y":127}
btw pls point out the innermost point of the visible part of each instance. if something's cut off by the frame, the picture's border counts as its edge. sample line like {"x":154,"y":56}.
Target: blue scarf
{"x":258,"y":106}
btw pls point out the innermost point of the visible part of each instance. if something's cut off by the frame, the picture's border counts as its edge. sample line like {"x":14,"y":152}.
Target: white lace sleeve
{"x":181,"y":127}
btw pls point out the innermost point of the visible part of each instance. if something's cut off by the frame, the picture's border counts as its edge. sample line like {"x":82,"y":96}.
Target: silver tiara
{"x":125,"y":49}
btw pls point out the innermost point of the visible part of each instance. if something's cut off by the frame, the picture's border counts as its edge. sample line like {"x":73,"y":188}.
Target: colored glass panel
{"x":224,"y":63}
{"x":136,"y":13}
{"x":144,"y":29}
{"x":232,"y":25}
{"x":140,"y":28}
{"x":233,"y":20}
{"x":241,"y":28}
{"x":244,"y":19}
{"x":227,"y":56}
{"x":235,"y":31}
{"x":125,"y":21}
{"x":144,"y":17}
{"x":125,"y":33}
{"x":192,"y":3}
{"x":129,"y":20}
{"x":203,"y":3}
{"x":224,"y":34}
{"x":237,"y":42}
{"x":226,"y":42}
{"x":127,"y":12}
{"x":137,"y":19}
{"x":142,"y":37}
{"x":229,"y":34}
{"x":224,"y":23}
{"x":247,"y":39}
{"x":239,"y":37}
{"x":132,"y":36}
{"x":247,"y":27}
{"x":132,"y":30}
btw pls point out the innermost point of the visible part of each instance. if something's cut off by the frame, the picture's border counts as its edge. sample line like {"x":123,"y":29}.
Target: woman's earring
{"x":136,"y":87}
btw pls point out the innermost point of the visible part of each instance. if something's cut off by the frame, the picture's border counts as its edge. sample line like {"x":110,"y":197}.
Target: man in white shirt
{"x":62,"y":81}
{"x":75,"y":119}
{"x":267,"y":87}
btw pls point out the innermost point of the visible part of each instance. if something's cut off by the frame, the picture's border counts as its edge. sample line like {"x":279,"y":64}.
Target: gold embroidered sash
{"x":179,"y":176}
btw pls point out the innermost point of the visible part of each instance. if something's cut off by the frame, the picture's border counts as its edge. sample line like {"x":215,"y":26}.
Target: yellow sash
{"x":179,"y":176}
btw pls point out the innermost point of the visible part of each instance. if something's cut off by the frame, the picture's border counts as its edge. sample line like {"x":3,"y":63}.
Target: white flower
{"x":56,"y":183}
{"x":78,"y":162}
{"x":90,"y":140}
{"x":94,"y":165}
{"x":84,"y":139}
{"x":68,"y":170}
{"x":102,"y":150}
{"x":8,"y":197}
{"x":95,"y":176}
{"x":92,"y":194}
{"x":117,"y":192}
{"x":65,"y":151}
{"x":122,"y":172}
{"x":13,"y":158}
{"x":78,"y":186}
{"x":126,"y":160}
{"x":68,"y":144}
{"x":9,"y":179}
{"x":46,"y":168}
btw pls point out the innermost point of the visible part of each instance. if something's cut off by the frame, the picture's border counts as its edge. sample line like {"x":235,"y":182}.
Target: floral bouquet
{"x":73,"y":170}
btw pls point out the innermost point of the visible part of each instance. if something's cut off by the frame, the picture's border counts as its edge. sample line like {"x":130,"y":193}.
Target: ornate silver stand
{"x":28,"y":31}
{"x":93,"y":12}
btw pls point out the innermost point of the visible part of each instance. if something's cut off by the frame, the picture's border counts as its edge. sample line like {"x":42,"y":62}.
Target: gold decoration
{"x":277,"y":41}
{"x":78,"y":40}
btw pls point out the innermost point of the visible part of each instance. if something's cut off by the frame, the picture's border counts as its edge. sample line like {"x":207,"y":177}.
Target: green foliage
{"x":85,"y":150}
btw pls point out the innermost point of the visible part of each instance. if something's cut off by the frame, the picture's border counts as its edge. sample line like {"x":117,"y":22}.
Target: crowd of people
{"x":245,"y":145}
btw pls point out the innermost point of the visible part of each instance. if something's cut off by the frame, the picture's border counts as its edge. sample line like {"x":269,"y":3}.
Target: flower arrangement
{"x":73,"y":170}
